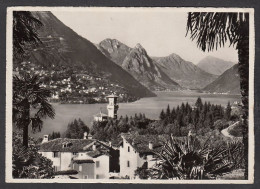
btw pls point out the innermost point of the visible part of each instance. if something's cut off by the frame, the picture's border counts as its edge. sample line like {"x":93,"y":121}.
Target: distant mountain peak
{"x":215,"y":65}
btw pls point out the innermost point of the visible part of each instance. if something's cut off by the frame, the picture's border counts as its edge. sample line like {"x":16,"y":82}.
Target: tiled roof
{"x":100,"y":114}
{"x":73,"y":145}
{"x":141,"y":142}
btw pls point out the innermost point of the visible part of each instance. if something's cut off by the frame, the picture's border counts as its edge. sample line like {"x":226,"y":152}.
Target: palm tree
{"x":211,"y":30}
{"x":25,"y":27}
{"x":187,"y":158}
{"x":28,"y":94}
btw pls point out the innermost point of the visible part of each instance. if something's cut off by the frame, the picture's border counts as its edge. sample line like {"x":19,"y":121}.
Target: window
{"x":75,"y":153}
{"x":128,"y":163}
{"x":80,"y":168}
{"x":128,"y":148}
{"x":97,"y":164}
{"x":55,"y":154}
{"x":97,"y":176}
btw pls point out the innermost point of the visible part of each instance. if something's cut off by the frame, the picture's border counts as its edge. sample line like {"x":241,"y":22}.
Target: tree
{"x":29,"y":95}
{"x":25,"y":27}
{"x":27,"y":162}
{"x":228,"y":111}
{"x":76,"y":129}
{"x":162,"y":115}
{"x":211,"y":30}
{"x":198,"y":103}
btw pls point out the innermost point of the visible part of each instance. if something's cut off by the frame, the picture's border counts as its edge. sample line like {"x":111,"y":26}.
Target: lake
{"x":151,"y":107}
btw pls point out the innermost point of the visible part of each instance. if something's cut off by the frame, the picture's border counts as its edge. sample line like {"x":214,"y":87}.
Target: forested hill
{"x":62,"y":47}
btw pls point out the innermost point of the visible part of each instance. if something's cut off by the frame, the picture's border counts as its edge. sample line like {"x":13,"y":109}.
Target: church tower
{"x":112,"y":106}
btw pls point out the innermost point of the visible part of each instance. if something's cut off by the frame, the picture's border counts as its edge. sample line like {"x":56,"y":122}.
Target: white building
{"x":90,"y":158}
{"x":137,"y":151}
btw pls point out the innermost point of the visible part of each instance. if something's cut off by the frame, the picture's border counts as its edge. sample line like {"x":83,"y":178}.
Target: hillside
{"x":183,"y":72}
{"x":137,"y":62}
{"x":214,"y":65}
{"x":63,"y":48}
{"x":228,"y":82}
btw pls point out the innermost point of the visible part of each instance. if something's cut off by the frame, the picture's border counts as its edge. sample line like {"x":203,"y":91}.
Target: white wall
{"x":134,"y":159}
{"x":103,"y":170}
{"x":65,"y":160}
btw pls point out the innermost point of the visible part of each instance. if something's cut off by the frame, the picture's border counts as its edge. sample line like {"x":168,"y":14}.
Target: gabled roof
{"x":100,"y":114}
{"x":75,"y":145}
{"x":141,"y":142}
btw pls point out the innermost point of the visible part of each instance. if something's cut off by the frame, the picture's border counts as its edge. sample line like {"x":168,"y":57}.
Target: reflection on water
{"x":151,"y":107}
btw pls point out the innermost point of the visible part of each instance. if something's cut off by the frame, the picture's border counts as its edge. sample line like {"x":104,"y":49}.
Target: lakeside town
{"x":199,"y":134}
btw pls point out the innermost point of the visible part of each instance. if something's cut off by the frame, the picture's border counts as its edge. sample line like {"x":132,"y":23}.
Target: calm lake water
{"x":151,"y":107}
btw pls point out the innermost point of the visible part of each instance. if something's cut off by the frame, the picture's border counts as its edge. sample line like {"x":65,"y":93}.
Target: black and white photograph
{"x":130,"y":95}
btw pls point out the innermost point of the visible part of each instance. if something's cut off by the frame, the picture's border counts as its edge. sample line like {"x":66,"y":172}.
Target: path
{"x":225,"y":131}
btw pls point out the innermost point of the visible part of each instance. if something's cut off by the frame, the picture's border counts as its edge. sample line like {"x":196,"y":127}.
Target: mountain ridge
{"x":214,"y":65}
{"x":137,"y":62}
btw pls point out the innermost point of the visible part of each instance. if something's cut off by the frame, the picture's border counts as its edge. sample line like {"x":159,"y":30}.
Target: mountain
{"x":65,"y":48}
{"x":183,"y":72}
{"x":137,"y":62}
{"x":228,"y":82}
{"x":114,"y":50}
{"x":214,"y":65}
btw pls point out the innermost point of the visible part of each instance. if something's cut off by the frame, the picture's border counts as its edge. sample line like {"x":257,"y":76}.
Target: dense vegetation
{"x":189,"y":158}
{"x":200,"y":119}
{"x":27,"y":162}
{"x":76,"y":129}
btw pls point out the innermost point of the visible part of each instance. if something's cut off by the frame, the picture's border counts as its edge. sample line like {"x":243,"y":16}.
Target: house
{"x":137,"y":151}
{"x":92,"y":159}
{"x":100,"y":117}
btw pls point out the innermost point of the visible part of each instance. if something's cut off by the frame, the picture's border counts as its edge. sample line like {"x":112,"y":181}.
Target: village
{"x":94,"y":159}
{"x":74,"y":87}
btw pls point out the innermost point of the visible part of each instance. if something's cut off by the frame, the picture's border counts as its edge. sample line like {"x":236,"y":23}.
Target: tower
{"x":112,"y":106}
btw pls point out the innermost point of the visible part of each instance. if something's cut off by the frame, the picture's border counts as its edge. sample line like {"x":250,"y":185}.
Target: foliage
{"x":110,"y":129}
{"x":142,"y":172}
{"x":25,"y":27}
{"x":182,"y":119}
{"x":29,"y":96}
{"x":189,"y":159}
{"x":76,"y":129}
{"x":54,"y":135}
{"x":212,"y":29}
{"x":27,"y":162}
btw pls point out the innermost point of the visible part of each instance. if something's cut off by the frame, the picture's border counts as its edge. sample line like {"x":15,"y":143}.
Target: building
{"x":100,"y":117}
{"x":112,"y":106}
{"x":112,"y":109}
{"x":92,"y":159}
{"x":137,"y":151}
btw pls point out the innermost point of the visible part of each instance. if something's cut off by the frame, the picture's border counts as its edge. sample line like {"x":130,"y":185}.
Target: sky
{"x":160,"y":31}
